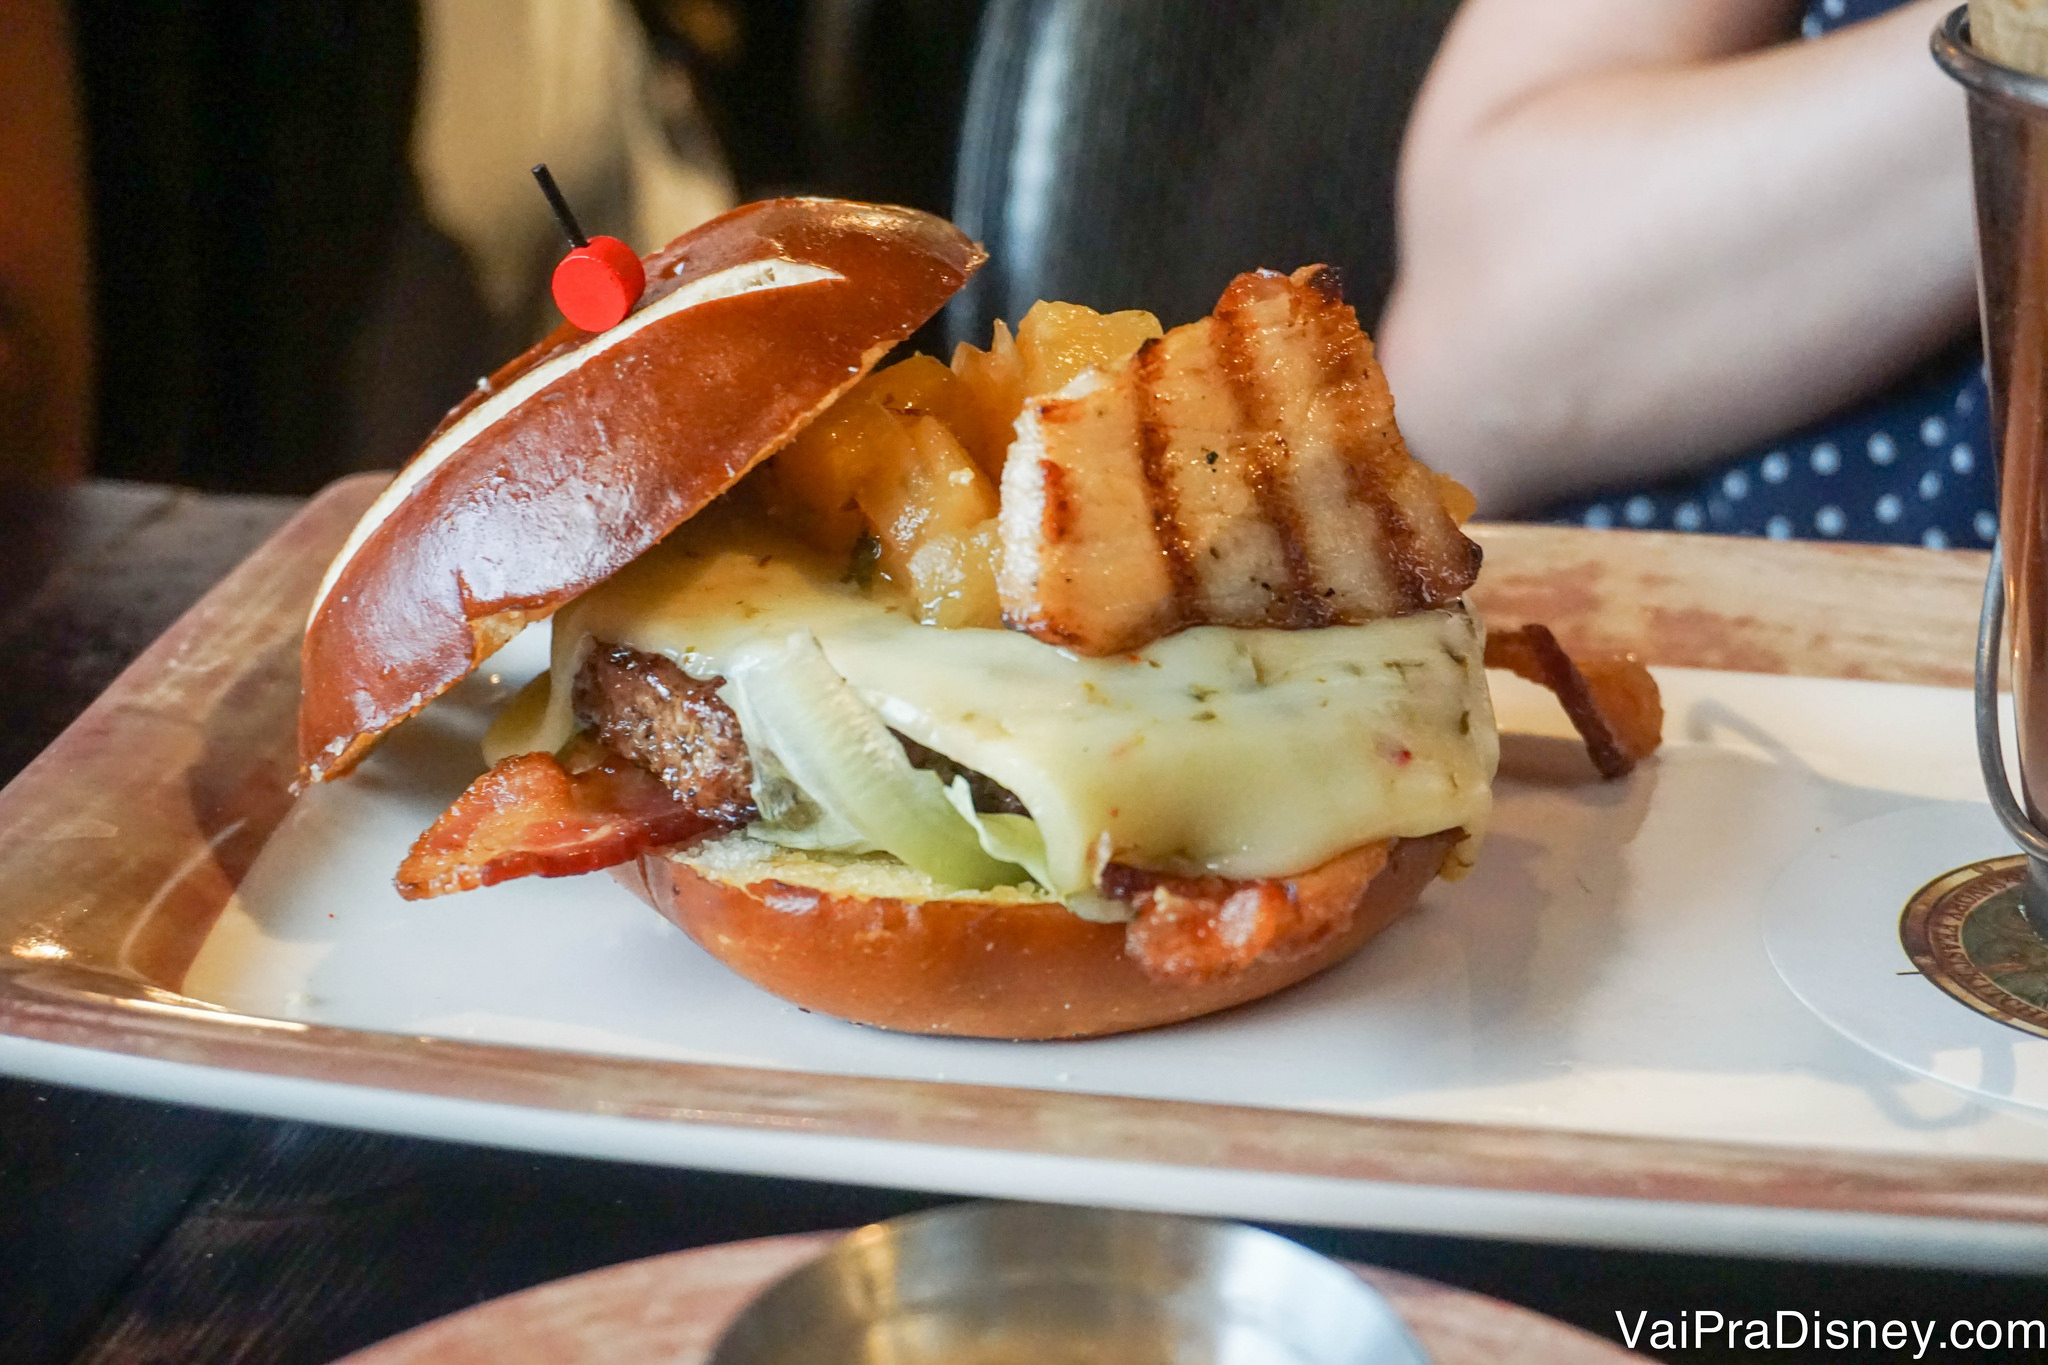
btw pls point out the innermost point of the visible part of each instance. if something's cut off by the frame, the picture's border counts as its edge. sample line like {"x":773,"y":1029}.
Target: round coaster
{"x":1837,"y":921}
{"x":1966,"y":933}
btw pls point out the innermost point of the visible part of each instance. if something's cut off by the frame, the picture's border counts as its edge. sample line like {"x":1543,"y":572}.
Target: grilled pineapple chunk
{"x":994,"y":381}
{"x":1055,"y":343}
{"x":882,"y":480}
{"x":924,"y":500}
{"x":1058,"y":341}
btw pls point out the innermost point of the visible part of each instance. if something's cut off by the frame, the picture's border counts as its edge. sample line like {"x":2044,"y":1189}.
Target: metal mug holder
{"x":1991,"y":750}
{"x":2009,"y":163}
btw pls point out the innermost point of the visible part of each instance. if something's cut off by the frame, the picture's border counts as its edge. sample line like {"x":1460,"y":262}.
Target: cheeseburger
{"x":1103,"y":678}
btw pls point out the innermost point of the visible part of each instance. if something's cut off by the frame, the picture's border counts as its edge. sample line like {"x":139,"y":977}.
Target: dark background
{"x":274,"y":309}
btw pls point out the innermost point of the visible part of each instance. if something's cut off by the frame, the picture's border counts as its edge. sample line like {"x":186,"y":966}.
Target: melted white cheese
{"x":1245,"y":753}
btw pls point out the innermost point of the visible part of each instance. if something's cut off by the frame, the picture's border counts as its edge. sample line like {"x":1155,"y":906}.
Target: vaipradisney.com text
{"x":1791,"y":1329}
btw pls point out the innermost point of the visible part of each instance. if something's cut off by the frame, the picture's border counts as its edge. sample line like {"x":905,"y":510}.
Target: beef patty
{"x":643,"y":708}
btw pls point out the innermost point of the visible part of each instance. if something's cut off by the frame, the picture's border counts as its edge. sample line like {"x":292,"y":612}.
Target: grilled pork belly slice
{"x":1242,"y":470}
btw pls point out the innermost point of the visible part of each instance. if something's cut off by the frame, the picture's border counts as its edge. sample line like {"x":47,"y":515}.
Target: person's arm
{"x":45,"y":325}
{"x":1637,"y":235}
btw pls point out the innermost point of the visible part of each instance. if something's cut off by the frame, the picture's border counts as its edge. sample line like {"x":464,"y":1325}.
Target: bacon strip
{"x":1612,"y":700}
{"x":1197,"y":929}
{"x":531,"y":817}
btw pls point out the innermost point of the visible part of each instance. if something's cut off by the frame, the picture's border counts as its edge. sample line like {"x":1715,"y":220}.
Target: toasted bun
{"x":580,"y":455}
{"x":998,"y":965}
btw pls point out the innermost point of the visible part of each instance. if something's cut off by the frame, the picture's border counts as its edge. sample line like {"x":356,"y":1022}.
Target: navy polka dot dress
{"x":1912,"y":466}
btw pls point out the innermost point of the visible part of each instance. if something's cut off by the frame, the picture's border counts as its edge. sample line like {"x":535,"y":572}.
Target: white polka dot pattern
{"x":1907,"y":466}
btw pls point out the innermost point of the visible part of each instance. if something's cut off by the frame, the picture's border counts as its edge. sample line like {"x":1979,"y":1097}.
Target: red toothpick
{"x":600,"y":280}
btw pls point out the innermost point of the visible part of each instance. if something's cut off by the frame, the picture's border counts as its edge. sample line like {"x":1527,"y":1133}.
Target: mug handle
{"x":1990,"y":750}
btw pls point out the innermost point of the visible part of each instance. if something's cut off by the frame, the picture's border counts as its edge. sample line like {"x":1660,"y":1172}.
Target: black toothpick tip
{"x":560,"y":205}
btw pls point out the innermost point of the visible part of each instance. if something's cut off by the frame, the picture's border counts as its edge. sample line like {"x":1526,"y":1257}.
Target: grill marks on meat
{"x":1155,"y":468}
{"x":1243,"y":470}
{"x":645,"y":709}
{"x":1266,"y":461}
{"x":1197,"y":929}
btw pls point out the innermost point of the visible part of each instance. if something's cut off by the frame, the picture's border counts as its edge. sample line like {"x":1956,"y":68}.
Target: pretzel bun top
{"x":580,"y":455}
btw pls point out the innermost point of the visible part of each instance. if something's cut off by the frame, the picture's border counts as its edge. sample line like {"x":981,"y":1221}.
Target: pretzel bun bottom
{"x":842,"y":941}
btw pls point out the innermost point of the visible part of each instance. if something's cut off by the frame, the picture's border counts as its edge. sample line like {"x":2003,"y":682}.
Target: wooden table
{"x":134,"y":1232}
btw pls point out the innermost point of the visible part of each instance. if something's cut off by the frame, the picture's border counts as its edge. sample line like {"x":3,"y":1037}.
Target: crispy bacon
{"x":1196,"y":929}
{"x":1242,"y":470}
{"x":1612,"y":700}
{"x":531,"y":817}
